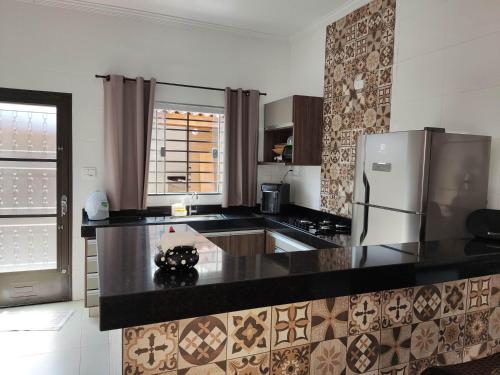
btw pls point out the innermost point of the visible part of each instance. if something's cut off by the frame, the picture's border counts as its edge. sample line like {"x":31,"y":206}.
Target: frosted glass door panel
{"x":28,"y":244}
{"x":27,"y":131}
{"x":28,"y":188}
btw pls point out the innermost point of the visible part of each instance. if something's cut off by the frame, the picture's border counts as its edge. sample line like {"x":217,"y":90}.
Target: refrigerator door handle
{"x":367,"y":188}
{"x":365,"y":209}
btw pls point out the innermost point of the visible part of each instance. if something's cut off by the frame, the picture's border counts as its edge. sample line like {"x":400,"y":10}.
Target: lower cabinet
{"x":270,"y":243}
{"x":222,"y":239}
{"x":239,"y":243}
{"x":247,"y":244}
{"x":279,"y":243}
{"x":91,"y":275}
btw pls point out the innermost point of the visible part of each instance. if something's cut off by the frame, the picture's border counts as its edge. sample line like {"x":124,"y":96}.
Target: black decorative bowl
{"x":178,"y":258}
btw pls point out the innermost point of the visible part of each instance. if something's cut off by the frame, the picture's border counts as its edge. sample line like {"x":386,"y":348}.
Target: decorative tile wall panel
{"x":364,"y":313}
{"x":479,"y":293}
{"x":329,"y":318}
{"x":328,"y":357}
{"x":357,"y":94}
{"x":249,"y":332}
{"x":295,"y":360}
{"x":395,"y":345}
{"x":202,"y":340}
{"x":150,"y":349}
{"x":391,"y":332}
{"x":291,"y":325}
{"x":255,"y":364}
{"x":454,"y":298}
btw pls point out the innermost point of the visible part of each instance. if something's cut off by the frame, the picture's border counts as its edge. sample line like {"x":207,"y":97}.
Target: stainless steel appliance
{"x":273,"y":197}
{"x":417,"y":185}
{"x":320,"y":226}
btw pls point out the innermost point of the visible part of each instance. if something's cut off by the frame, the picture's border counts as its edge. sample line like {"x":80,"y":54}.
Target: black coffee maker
{"x":273,"y":197}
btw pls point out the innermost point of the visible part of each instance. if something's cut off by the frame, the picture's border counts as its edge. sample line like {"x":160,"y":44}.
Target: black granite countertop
{"x":232,"y":219}
{"x":133,"y":293}
{"x":246,"y":220}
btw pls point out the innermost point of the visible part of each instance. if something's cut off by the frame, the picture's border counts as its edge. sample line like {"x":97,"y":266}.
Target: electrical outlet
{"x":296,"y":171}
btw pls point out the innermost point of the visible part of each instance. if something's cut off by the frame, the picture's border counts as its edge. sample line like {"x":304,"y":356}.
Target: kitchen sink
{"x":194,"y":218}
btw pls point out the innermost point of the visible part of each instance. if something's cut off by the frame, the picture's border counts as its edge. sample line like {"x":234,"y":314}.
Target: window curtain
{"x":241,"y":121}
{"x":128,"y":116}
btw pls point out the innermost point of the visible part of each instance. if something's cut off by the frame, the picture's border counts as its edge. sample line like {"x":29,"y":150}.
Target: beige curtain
{"x":240,"y":148}
{"x":128,"y":117}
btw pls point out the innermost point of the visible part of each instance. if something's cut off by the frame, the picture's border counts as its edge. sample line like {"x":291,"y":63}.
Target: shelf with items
{"x":272,"y":139}
{"x":298,"y":119}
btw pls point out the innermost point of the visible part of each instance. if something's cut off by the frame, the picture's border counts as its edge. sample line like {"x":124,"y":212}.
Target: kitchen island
{"x":340,"y":310}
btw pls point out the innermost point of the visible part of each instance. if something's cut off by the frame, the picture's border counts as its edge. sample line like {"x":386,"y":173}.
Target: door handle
{"x":64,"y":205}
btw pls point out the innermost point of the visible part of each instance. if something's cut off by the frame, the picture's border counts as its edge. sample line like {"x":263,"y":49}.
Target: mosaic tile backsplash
{"x":357,"y":94}
{"x":401,"y":332}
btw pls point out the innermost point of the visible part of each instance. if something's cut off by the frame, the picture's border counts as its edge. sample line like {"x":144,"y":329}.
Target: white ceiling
{"x":281,"y":18}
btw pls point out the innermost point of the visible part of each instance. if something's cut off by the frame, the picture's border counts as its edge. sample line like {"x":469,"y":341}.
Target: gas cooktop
{"x":323,"y":227}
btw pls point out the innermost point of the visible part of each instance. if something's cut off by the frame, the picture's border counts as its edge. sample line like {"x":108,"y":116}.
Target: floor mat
{"x":33,"y":320}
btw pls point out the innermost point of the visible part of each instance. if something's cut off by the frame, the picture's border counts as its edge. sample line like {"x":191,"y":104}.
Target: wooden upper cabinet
{"x":279,"y":114}
{"x":300,"y":116}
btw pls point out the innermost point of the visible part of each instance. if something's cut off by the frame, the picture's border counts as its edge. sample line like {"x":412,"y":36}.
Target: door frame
{"x":63,"y":103}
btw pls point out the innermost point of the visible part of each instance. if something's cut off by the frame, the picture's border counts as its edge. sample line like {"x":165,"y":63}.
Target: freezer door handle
{"x":390,"y":208}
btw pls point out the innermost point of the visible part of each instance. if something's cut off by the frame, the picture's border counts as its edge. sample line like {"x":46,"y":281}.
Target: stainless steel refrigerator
{"x":417,"y":185}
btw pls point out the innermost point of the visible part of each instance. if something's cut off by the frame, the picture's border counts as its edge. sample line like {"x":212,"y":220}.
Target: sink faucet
{"x":194,"y":196}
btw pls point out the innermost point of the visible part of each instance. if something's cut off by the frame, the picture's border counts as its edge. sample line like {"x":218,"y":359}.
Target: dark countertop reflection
{"x":130,"y":296}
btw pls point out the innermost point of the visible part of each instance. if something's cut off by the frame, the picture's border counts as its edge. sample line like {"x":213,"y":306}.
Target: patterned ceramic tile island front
{"x":357,"y":94}
{"x":392,"y":332}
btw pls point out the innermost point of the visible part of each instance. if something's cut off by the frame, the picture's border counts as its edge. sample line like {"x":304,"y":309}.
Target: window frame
{"x":193,"y":108}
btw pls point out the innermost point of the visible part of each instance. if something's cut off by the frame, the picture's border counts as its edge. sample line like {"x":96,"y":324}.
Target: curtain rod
{"x":174,"y":84}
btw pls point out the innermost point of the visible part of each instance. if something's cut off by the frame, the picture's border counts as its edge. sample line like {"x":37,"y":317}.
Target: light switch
{"x":89,"y":173}
{"x":359,"y":83}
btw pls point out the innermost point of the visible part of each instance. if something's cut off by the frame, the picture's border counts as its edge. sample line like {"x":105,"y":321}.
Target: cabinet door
{"x":307,"y":130}
{"x":222,"y":241}
{"x":247,"y":244}
{"x":278,"y":114}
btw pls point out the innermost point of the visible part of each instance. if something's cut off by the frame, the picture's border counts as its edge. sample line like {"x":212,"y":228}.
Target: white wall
{"x":307,"y":63}
{"x":307,"y":67}
{"x":447,"y":71}
{"x":44,"y":48}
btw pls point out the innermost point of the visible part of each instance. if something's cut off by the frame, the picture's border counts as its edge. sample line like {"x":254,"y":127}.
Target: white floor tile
{"x":94,"y":360}
{"x":25,"y":343}
{"x":91,"y":336}
{"x":55,"y":363}
{"x":78,"y":348}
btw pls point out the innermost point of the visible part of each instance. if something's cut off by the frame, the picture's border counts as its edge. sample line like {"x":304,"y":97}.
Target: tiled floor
{"x":78,"y":348}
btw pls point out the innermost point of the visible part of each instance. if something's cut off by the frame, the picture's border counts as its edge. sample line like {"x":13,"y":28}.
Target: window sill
{"x":174,"y":194}
{"x":169,"y":199}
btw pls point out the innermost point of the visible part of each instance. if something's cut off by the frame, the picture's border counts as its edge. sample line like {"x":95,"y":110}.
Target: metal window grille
{"x":186,"y":150}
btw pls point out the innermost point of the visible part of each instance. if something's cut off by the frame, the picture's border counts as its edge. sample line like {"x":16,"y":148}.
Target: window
{"x":186,"y":150}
